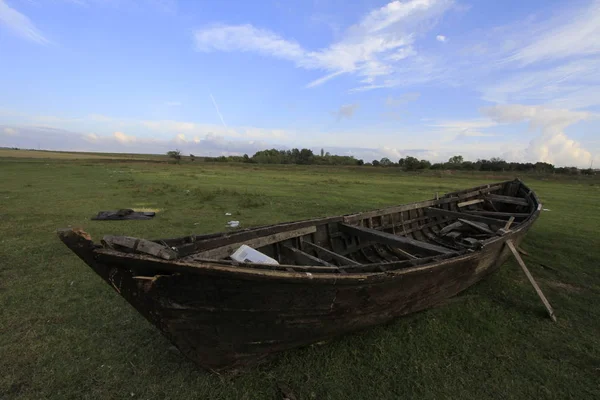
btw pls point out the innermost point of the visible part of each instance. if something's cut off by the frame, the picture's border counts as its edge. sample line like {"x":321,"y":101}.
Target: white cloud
{"x":10,"y":131}
{"x":441,"y":38}
{"x":369,"y":49}
{"x":123,"y":138}
{"x":20,"y":24}
{"x":552,"y":145}
{"x":346,"y":111}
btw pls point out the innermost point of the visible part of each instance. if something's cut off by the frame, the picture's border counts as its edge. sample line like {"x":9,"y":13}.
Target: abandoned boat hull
{"x":226,"y":317}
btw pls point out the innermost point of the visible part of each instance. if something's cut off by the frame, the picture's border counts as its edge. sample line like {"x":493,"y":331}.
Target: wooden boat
{"x":335,"y":275}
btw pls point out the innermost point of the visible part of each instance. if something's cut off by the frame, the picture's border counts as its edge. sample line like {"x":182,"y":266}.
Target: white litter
{"x":546,"y":209}
{"x":227,"y":213}
{"x":247,"y":254}
{"x":233,"y":224}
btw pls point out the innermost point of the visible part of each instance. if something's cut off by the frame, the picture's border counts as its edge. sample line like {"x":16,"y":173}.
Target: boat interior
{"x":375,"y":241}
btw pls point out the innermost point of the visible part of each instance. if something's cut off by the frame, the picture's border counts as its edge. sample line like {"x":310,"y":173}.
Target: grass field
{"x":65,"y":334}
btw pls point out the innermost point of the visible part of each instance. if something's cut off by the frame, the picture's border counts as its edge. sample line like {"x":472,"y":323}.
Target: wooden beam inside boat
{"x":225,"y":251}
{"x":477,"y":225}
{"x":470,"y":202}
{"x":394,"y":240}
{"x":304,"y":258}
{"x":507,"y":199}
{"x":323,"y":252}
{"x":498,"y":214}
{"x":464,"y":215}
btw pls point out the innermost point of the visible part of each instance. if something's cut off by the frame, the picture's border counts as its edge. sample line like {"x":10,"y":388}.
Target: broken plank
{"x":394,"y":240}
{"x":469,"y":203}
{"x":507,"y":199}
{"x":477,"y":225}
{"x":452,"y":226}
{"x":305,"y":258}
{"x":465,"y":216}
{"x":225,"y":251}
{"x":325,"y":253}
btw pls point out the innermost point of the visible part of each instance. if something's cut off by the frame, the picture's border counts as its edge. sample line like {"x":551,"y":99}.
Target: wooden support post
{"x":509,"y":223}
{"x":512,"y":248}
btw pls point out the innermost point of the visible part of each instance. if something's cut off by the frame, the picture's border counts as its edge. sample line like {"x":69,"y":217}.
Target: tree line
{"x":408,"y":163}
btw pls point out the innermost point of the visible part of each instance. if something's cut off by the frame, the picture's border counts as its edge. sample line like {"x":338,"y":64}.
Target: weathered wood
{"x":224,"y":251}
{"x":539,"y":292}
{"x":140,"y":246}
{"x":507,"y":199}
{"x":498,"y":214}
{"x":323,"y":252}
{"x":465,"y":216}
{"x":509,"y":223}
{"x":304,"y":258}
{"x":452,"y":226}
{"x":227,"y":316}
{"x":469,"y":202}
{"x":477,"y":225}
{"x":393,"y":240}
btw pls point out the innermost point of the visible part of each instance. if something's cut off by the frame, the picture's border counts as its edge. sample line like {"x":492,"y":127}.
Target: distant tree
{"x":456,"y":160}
{"x":175,"y":154}
{"x":386,"y":162}
{"x":411,"y":163}
{"x":375,"y":163}
{"x":360,"y":162}
{"x":424,"y":164}
{"x":192,"y":157}
{"x":322,"y":152}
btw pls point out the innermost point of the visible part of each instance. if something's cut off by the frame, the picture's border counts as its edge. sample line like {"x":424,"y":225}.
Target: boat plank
{"x":507,"y":199}
{"x":393,"y":240}
{"x":305,"y":258}
{"x":469,"y":202}
{"x":224,"y":251}
{"x":477,"y":226}
{"x":466,"y":216}
{"x":328,"y":253}
{"x":498,"y":214}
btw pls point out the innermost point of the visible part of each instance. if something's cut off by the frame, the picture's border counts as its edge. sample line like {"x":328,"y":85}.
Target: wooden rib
{"x":498,"y":214}
{"x":477,"y":226}
{"x":507,"y":199}
{"x":469,"y":202}
{"x":328,"y":253}
{"x":305,"y":258}
{"x":393,"y":240}
{"x":463,"y":215}
{"x":224,"y":251}
{"x":403,"y":252}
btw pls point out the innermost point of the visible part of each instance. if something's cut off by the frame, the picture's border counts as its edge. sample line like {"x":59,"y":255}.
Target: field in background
{"x":65,"y":334}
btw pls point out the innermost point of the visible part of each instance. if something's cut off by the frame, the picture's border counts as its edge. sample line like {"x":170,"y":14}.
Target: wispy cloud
{"x":441,"y":38}
{"x":370,"y":49}
{"x":20,"y":24}
{"x":555,"y":39}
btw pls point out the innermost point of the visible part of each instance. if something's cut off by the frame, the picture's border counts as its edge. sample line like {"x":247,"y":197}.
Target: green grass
{"x":65,"y":334}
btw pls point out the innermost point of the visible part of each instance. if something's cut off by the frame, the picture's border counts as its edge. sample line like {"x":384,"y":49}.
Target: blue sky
{"x":428,"y":78}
